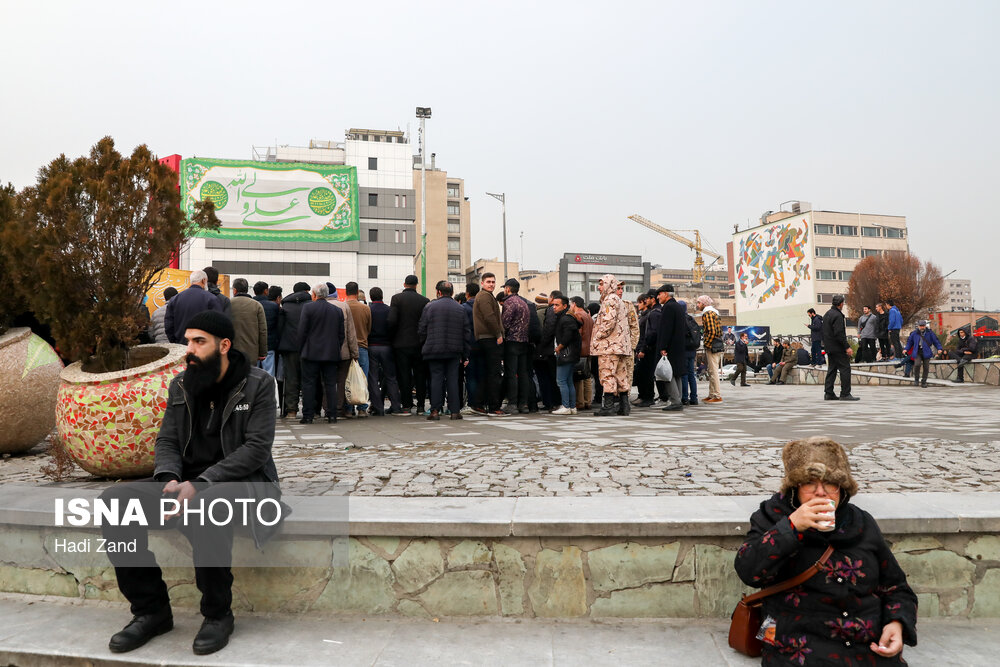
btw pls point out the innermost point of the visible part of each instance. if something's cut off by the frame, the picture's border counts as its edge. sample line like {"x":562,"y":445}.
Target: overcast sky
{"x":693,"y":114}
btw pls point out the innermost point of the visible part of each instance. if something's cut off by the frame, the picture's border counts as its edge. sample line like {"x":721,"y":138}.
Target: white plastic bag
{"x":664,"y":371}
{"x":356,"y":385}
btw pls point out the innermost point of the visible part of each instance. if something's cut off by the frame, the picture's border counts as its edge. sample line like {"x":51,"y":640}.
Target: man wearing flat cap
{"x":921,"y":346}
{"x":218,"y":428}
{"x":837,"y":358}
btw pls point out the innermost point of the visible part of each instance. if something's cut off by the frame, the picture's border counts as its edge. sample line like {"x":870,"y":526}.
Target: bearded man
{"x":218,"y":428}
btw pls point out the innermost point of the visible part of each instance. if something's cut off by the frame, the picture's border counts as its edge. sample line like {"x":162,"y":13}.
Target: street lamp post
{"x":502,"y":198}
{"x":423,"y":113}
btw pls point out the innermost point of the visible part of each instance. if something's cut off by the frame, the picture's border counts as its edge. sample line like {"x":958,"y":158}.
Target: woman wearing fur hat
{"x":858,"y":609}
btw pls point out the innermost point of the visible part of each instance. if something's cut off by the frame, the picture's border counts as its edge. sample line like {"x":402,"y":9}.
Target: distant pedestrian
{"x":442,"y":330}
{"x":741,"y":357}
{"x":349,"y":352}
{"x":867,"y":335}
{"x":475,"y":369}
{"x":692,"y":340}
{"x":967,"y":350}
{"x":157,"y":321}
{"x":271,"y":310}
{"x":567,"y":352}
{"x":321,"y":338}
{"x":585,"y":384}
{"x":250,"y":322}
{"x":489,"y":334}
{"x":361,"y":316}
{"x":815,"y":337}
{"x":381,"y":363}
{"x":515,"y":317}
{"x":895,"y":325}
{"x":405,"y":310}
{"x":714,"y":348}
{"x":213,"y":288}
{"x":611,"y":343}
{"x":289,"y":346}
{"x":670,"y":344}
{"x":882,"y":333}
{"x":837,"y":359}
{"x":186,"y":305}
{"x":921,"y":346}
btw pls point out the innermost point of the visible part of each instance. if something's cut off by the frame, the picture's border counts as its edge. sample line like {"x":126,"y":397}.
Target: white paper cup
{"x":831,"y":523}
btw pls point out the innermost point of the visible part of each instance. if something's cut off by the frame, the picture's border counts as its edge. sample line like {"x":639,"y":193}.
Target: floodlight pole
{"x":502,"y":198}
{"x":423,"y":113}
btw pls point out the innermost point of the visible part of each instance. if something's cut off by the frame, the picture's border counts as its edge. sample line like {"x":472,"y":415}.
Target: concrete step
{"x":37,"y":631}
{"x":891,"y":376}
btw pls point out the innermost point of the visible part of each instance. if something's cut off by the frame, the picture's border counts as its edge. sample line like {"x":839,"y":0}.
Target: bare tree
{"x":915,"y":286}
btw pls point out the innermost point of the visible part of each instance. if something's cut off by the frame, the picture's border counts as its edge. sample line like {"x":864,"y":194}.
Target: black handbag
{"x":581,"y":371}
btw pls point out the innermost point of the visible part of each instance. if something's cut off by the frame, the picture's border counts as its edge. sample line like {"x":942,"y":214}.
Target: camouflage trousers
{"x":615,"y":372}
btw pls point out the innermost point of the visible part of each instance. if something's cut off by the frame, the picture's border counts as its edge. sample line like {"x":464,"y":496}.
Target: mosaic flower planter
{"x":108,"y":421}
{"x":29,"y":380}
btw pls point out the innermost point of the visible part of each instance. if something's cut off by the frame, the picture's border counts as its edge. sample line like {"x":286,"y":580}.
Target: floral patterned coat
{"x":833,"y":617}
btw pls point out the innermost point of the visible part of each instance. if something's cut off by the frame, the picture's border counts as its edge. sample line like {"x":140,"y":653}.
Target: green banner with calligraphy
{"x":269,"y":201}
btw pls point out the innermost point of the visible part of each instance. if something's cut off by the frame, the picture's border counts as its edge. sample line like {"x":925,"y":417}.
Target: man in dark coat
{"x":405,"y":310}
{"x":475,"y":370}
{"x":186,"y":304}
{"x":815,"y":337}
{"x":262,"y":295}
{"x":288,"y":345}
{"x":670,"y":342}
{"x":322,"y":332}
{"x":837,"y":358}
{"x":967,"y":350}
{"x":444,"y":331}
{"x":214,"y":445}
{"x":741,"y":357}
{"x":213,"y":287}
{"x":381,"y":365}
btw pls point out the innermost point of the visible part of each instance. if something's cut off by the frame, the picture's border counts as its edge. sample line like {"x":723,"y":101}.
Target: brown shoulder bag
{"x":746,"y":617}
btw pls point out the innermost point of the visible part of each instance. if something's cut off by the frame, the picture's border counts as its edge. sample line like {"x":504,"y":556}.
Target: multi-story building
{"x":717,"y":284}
{"x":382,"y":256}
{"x":959,"y":294}
{"x":579,"y":274}
{"x":495,"y":266}
{"x":797,"y":259}
{"x":449,"y":237}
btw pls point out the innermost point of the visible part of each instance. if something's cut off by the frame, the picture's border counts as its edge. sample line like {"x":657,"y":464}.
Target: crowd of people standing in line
{"x":487,"y":350}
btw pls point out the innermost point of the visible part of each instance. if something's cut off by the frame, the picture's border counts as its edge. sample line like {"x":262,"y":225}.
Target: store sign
{"x":266,"y":201}
{"x":603,"y":259}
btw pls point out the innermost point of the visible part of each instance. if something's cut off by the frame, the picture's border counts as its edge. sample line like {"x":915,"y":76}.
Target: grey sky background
{"x":695,"y":115}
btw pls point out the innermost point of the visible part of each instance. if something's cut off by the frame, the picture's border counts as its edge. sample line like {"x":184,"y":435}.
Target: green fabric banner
{"x":268,"y":201}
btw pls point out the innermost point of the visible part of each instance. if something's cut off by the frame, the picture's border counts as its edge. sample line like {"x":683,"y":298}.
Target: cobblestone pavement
{"x":900,"y":438}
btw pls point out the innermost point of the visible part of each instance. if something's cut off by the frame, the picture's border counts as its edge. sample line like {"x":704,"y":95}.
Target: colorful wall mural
{"x":773,"y":267}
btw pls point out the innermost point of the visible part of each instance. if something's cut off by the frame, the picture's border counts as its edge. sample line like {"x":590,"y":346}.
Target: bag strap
{"x":793,"y":582}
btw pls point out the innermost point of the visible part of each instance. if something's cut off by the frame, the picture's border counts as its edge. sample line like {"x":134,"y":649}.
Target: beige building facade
{"x":449,"y":227}
{"x":959,"y":294}
{"x":492,"y":265}
{"x":717,"y":285}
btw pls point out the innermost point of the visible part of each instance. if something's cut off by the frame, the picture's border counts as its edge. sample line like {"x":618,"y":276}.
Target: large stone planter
{"x":29,"y":379}
{"x":108,"y":421}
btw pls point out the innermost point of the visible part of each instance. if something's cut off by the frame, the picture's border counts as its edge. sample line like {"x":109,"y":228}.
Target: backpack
{"x":692,"y":337}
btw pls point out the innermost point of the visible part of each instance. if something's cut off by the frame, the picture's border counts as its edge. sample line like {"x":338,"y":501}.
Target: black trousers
{"x":444,"y":377}
{"x":517,"y":372}
{"x":883,"y":344}
{"x":741,"y":373}
{"x":897,"y":347}
{"x":545,"y":371}
{"x":293,"y":380}
{"x":311,"y":372}
{"x":382,"y":369}
{"x":838,"y":362}
{"x":867,"y":348}
{"x":490,"y":396}
{"x":643,"y":376}
{"x":921,"y":366}
{"x":963,"y":360}
{"x":140,"y":579}
{"x":411,"y":372}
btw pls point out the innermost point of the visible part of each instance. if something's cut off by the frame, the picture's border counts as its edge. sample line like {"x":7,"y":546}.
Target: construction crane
{"x":698,"y":273}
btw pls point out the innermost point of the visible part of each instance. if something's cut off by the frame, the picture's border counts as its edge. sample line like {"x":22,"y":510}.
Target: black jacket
{"x":741,"y":355}
{"x":652,"y":329}
{"x":271,"y":312}
{"x":832,"y":618}
{"x":227,"y":306}
{"x":816,"y":328}
{"x":883,"y":324}
{"x":288,"y":320}
{"x":444,"y":330}
{"x":567,"y":334}
{"x":405,"y":310}
{"x":183,"y":307}
{"x":834,"y":331}
{"x":321,"y":331}
{"x":672,"y":329}
{"x":247,"y":433}
{"x":379,"y":334}
{"x":547,"y":341}
{"x":970,"y":344}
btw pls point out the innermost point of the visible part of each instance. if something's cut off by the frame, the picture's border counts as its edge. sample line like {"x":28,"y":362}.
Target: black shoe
{"x":780,"y":382}
{"x":141,"y":629}
{"x":609,"y":406}
{"x":331,"y":420}
{"x":213,"y":635}
{"x":673,"y":408}
{"x":693,"y":401}
{"x":645,"y":404}
{"x":849,"y":397}
{"x":458,"y":415}
{"x":960,"y":380}
{"x":923,"y":385}
{"x":831,"y":397}
{"x":732,"y":380}
{"x":745,"y":384}
{"x":306,"y":420}
{"x":685,"y":401}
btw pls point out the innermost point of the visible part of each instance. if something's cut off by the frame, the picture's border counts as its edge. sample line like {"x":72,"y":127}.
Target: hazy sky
{"x":693,"y":114}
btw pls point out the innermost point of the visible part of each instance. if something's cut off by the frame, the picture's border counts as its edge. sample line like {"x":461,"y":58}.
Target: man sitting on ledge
{"x":218,"y":427}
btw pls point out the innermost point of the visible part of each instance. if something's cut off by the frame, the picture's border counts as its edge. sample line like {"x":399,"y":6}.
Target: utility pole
{"x":502,"y":198}
{"x":423,"y":113}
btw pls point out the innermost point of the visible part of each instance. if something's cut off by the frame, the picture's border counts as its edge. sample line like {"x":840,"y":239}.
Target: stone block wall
{"x":953,"y":574}
{"x":981,"y":371}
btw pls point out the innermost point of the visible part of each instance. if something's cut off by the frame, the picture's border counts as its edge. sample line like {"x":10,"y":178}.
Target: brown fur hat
{"x":819,"y":458}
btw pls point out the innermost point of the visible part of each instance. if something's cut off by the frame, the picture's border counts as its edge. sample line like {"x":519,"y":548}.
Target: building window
{"x":824,"y":229}
{"x":847,"y":253}
{"x":397,"y":236}
{"x":454,"y":244}
{"x":454,"y":227}
{"x":825,"y":298}
{"x":372,"y":163}
{"x":404,"y":201}
{"x":874,"y":232}
{"x":372,"y":271}
{"x":454,"y":263}
{"x":373,"y":235}
{"x":397,"y":201}
{"x":453,"y":191}
{"x":456,"y":279}
{"x":575,"y":287}
{"x":404,"y":236}
{"x":822,"y":274}
{"x":847,"y":230}
{"x":845,"y":275}
{"x":868,"y":252}
{"x":453,"y":209}
{"x":373,"y":199}
{"x":822,"y":251}
{"x":893,"y":233}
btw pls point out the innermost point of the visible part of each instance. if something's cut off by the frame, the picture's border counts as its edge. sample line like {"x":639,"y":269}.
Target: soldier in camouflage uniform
{"x":624,"y":405}
{"x":612,"y":343}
